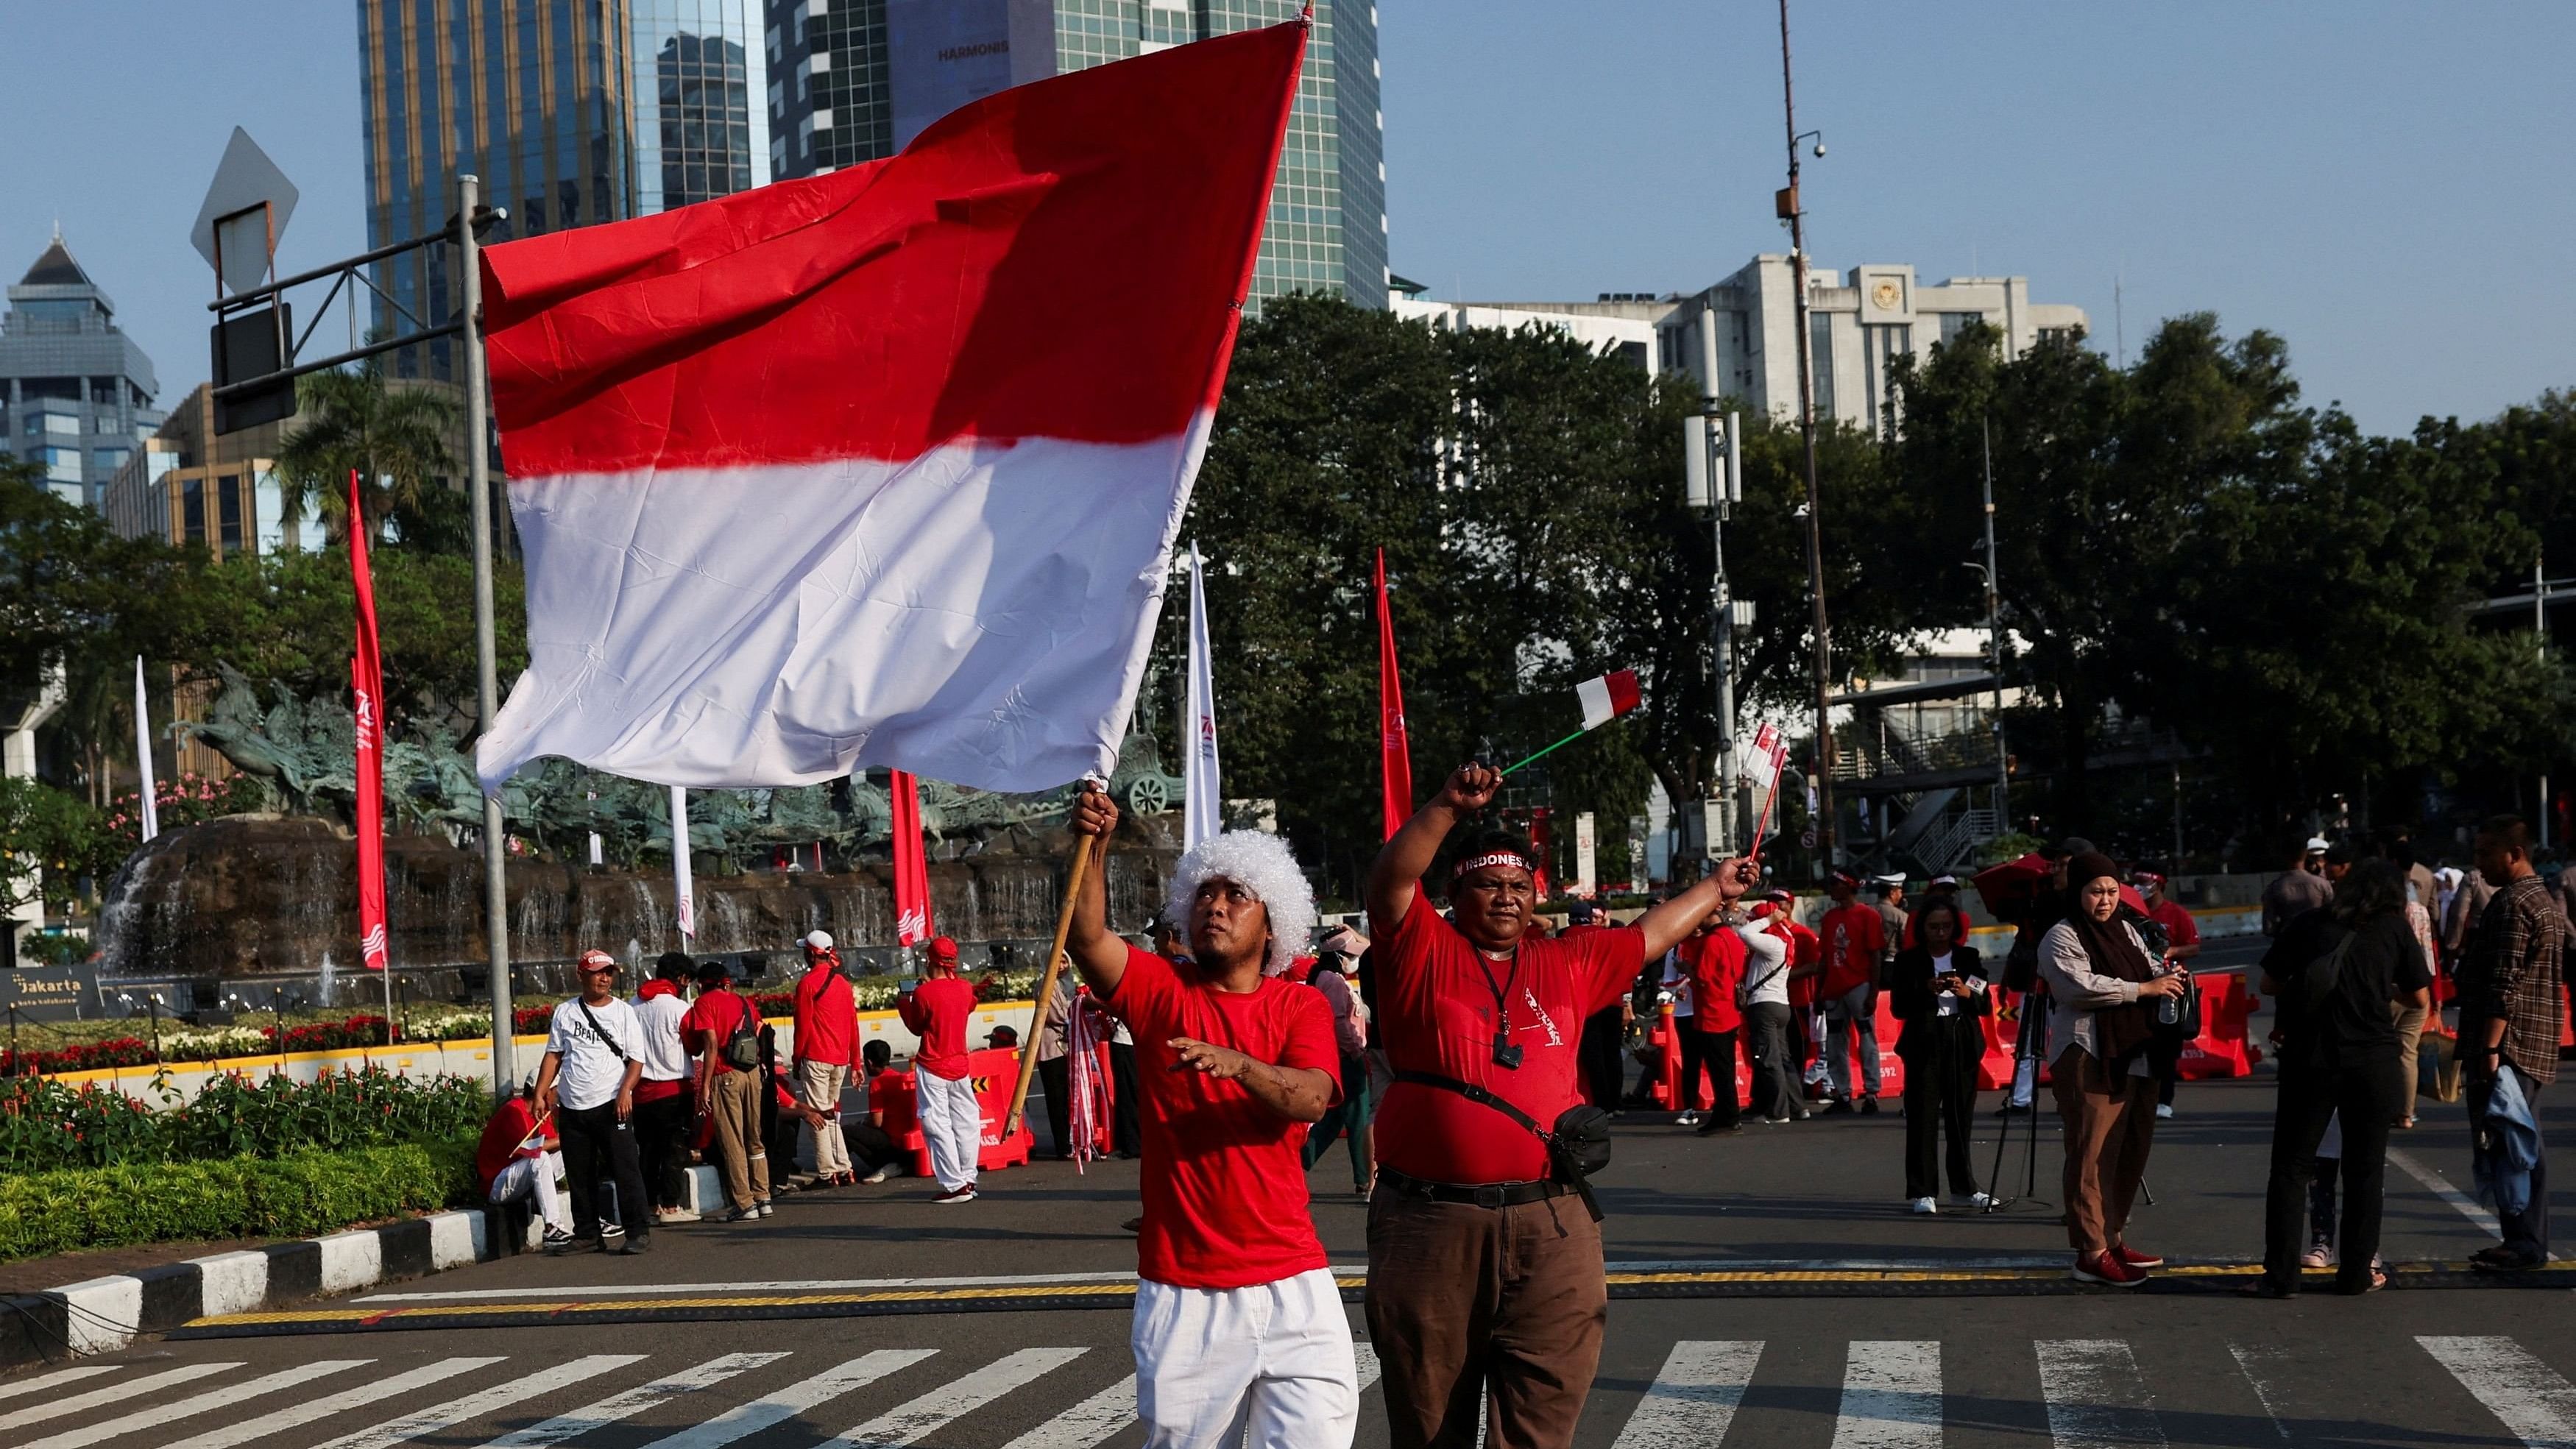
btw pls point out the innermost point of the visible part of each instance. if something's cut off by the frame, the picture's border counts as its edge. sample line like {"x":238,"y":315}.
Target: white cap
{"x":2319,"y":842}
{"x":818,"y":940}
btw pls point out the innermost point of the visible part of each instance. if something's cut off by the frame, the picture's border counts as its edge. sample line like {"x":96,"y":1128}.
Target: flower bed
{"x":47,"y":1126}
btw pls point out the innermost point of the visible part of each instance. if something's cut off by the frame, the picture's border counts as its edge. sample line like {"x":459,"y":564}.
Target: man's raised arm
{"x":1097,"y":952}
{"x":1408,"y":853}
{"x":1667,"y":924}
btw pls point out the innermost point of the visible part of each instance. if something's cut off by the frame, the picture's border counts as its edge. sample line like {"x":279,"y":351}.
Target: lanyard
{"x":1506,"y":1055}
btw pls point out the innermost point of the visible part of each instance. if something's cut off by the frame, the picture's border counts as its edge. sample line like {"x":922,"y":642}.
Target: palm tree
{"x":397,"y":438}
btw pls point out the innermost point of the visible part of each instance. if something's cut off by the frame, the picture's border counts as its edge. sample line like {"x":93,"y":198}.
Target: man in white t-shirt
{"x":664,"y":1106}
{"x":593,"y":1059}
{"x":1765,"y":995}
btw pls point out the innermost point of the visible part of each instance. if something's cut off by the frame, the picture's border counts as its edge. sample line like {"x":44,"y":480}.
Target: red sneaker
{"x":2107,"y":1270}
{"x":2134,"y":1258}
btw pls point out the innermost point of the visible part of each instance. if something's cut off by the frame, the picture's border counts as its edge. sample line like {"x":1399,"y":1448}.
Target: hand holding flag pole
{"x":1604,"y":699}
{"x":1767,"y":741}
{"x":1084,"y":848}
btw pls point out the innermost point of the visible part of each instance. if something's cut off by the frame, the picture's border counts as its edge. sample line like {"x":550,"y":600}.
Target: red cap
{"x":596,"y":961}
{"x":943,"y":948}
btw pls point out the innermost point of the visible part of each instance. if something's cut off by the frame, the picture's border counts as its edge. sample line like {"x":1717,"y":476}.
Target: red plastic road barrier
{"x":2003,"y":1029}
{"x":2221,"y":1049}
{"x":1891,"y":1067}
{"x":1663,"y":1035}
{"x":996,"y":1071}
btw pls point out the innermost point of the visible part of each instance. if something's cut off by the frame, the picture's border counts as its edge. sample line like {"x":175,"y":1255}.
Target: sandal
{"x":2264,"y":1287}
{"x":2378,"y":1280}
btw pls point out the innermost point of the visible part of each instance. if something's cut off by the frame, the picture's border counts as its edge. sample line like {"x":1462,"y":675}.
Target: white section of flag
{"x":704,"y":626}
{"x":1595,"y":694}
{"x":684,"y":891}
{"x":151,"y":810}
{"x":1200,"y":815}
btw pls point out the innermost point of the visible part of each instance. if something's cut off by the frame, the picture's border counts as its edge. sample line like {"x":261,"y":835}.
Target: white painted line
{"x":744,"y":1420}
{"x":262,"y":1429}
{"x":2528,"y":1396}
{"x":56,"y":1379}
{"x":189,"y":1408}
{"x":1086,"y":1424}
{"x":129,"y":1388}
{"x":2256,"y":1361}
{"x":1852,"y":1265}
{"x":912,"y":1422}
{"x":1366,"y":1354}
{"x":618,"y":1407}
{"x":1891,"y":1396}
{"x":774,"y":1285}
{"x":2435,"y":1184}
{"x":500,"y":1396}
{"x":1694,"y":1397}
{"x":2096,"y":1398}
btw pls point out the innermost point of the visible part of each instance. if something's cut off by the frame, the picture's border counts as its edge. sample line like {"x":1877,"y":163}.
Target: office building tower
{"x":75,"y":392}
{"x":856,"y":80}
{"x":572,"y":112}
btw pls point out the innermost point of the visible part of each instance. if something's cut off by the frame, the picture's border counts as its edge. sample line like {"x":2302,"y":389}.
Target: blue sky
{"x":2385,"y":185}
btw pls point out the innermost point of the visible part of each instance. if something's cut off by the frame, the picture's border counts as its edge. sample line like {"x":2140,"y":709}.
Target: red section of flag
{"x":911,"y":864}
{"x":950,"y":292}
{"x":1768,"y":744}
{"x":1395,"y":750}
{"x":367,"y":691}
{"x":1623,"y":690}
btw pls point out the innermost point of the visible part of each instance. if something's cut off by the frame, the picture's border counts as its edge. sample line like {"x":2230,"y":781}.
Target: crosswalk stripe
{"x":2528,"y":1396}
{"x":259,"y":1430}
{"x":911,"y":1422}
{"x":1695,"y":1395}
{"x":743,"y":1420}
{"x":2096,"y":1398}
{"x":1891,"y":1396}
{"x":1095,"y":1419}
{"x":501,"y":1395}
{"x":55,"y":1379}
{"x":189,"y":1408}
{"x":634,"y":1401}
{"x":130,"y":1388}
{"x":2255,"y":1361}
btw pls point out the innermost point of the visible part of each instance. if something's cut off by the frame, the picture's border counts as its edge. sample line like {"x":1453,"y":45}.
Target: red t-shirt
{"x":712,"y":1020}
{"x":938,"y":1011}
{"x":2180,"y":928}
{"x":1806,"y":949}
{"x":1224,"y":1180}
{"x":1715,"y":965}
{"x":827,"y":1018}
{"x":503,"y":1131}
{"x":1435,"y":1001}
{"x":1854,"y":936}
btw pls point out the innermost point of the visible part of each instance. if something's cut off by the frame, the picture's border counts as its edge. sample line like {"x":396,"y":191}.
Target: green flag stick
{"x":1560,"y":744}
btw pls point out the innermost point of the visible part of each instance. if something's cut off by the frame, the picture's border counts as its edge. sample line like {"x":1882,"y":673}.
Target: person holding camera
{"x":1485,"y":1278}
{"x":1939,"y":992}
{"x":2105,"y":992}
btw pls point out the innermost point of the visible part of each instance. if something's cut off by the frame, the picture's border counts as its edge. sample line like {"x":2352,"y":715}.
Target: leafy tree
{"x":395,"y":437}
{"x":49,"y":840}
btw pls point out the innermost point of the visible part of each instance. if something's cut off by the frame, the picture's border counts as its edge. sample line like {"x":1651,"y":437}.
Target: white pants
{"x":1273,"y":1360}
{"x":952,"y":1124}
{"x":527,"y":1175}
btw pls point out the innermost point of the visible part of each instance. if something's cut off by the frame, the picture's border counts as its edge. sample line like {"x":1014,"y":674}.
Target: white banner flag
{"x":683,"y":893}
{"x":151,"y":811}
{"x":1586,"y":847}
{"x":1200,"y":816}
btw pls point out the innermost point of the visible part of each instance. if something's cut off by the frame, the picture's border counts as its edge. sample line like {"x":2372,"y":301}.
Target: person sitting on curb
{"x":520,"y":1157}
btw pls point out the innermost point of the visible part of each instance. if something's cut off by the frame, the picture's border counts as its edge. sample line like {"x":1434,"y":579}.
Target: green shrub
{"x":296,"y":1196}
{"x":46,"y":1125}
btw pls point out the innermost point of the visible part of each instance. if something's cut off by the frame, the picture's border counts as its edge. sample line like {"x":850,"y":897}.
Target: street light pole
{"x":487,"y":671}
{"x":1995,"y":638}
{"x":1794,"y":213}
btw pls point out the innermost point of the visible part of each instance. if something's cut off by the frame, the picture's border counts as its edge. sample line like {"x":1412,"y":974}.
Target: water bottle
{"x":2169,"y":1009}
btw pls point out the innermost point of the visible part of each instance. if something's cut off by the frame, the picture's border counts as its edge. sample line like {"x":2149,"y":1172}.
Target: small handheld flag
{"x":1768,"y":744}
{"x":1603,"y":699}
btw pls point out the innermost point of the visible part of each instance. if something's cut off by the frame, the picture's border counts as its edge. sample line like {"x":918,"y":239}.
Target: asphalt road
{"x":1841,"y":1320}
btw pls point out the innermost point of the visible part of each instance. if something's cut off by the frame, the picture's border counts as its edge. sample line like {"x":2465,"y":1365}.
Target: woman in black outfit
{"x":1939,"y":992}
{"x":2338,"y":1054}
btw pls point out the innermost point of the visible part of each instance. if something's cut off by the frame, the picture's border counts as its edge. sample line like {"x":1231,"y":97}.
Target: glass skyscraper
{"x":853,"y":80}
{"x":571,"y":111}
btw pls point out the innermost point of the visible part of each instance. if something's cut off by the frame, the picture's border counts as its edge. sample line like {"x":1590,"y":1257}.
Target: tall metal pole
{"x":1823,"y":653}
{"x":487,"y":669}
{"x":1995,"y":639}
{"x":1721,"y":841}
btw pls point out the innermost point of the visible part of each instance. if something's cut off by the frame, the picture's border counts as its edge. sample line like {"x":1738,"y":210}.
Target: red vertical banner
{"x":367,"y":687}
{"x":1395,"y":753}
{"x":911,"y":864}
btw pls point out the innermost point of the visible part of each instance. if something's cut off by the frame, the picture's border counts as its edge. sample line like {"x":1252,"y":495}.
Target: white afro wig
{"x":1262,"y":865}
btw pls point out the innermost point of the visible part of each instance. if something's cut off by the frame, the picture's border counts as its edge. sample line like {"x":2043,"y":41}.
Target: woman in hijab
{"x":2103,"y":992}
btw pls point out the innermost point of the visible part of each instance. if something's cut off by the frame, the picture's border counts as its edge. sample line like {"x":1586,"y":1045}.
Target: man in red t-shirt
{"x":727,"y":1092}
{"x":1855,"y":943}
{"x":1239,"y":1324}
{"x":939,"y":1011}
{"x":827,"y":1052}
{"x":1714,"y":959}
{"x":1481,"y":1266}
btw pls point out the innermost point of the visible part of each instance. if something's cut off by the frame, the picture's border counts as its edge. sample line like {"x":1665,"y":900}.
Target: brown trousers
{"x":1480,"y":1312}
{"x":2107,"y":1137}
{"x":736,"y":1108}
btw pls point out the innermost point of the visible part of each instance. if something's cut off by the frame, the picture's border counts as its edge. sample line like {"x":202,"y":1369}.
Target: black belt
{"x":1482,"y":1194}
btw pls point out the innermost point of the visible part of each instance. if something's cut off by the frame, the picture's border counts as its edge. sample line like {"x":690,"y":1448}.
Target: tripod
{"x":2029,"y":1043}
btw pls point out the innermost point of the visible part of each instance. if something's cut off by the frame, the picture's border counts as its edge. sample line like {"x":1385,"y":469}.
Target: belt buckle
{"x":1490,"y":1195}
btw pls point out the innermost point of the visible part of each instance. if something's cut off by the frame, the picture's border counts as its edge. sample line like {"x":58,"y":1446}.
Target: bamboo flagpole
{"x":1084,"y":848}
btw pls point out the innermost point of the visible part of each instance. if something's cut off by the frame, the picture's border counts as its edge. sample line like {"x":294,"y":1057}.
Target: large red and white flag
{"x":884,"y":467}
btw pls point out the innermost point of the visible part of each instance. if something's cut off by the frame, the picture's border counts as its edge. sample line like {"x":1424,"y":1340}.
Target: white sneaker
{"x":2320,"y":1254}
{"x":1688,"y":1118}
{"x":875,"y":1177}
{"x":674,"y":1215}
{"x":957,"y":1195}
{"x":1925,"y":1207}
{"x":1976,"y":1201}
{"x":2164,"y":1110}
